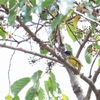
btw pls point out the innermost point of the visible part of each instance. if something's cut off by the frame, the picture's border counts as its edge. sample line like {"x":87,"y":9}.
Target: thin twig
{"x":9,"y":68}
{"x":40,"y":23}
{"x":59,"y":36}
{"x":50,"y":13}
{"x":37,"y":26}
{"x":87,"y":17}
{"x":94,"y":40}
{"x":40,"y":27}
{"x":92,"y":65}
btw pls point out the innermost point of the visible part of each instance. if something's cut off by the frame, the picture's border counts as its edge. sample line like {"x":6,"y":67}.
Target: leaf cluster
{"x":36,"y":91}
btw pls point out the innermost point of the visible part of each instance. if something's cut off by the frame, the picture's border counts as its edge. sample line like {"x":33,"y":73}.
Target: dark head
{"x":68,"y":53}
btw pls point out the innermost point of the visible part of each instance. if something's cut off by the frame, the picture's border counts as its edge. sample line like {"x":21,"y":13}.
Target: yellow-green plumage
{"x":73,"y":60}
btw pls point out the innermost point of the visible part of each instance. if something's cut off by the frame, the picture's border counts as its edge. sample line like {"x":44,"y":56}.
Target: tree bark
{"x":76,"y":85}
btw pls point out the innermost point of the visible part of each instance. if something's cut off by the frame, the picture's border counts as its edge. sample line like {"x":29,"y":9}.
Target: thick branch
{"x":35,"y":38}
{"x":94,"y":80}
{"x":76,"y":85}
{"x":83,"y":44}
{"x":93,"y":64}
{"x":92,"y":86}
{"x":29,"y":52}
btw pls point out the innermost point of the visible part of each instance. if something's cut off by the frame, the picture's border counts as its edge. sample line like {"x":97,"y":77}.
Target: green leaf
{"x":18,"y":85}
{"x":70,"y":12}
{"x":48,"y":87}
{"x":33,"y":2}
{"x":44,"y":15}
{"x":41,"y":94}
{"x":3,"y":1}
{"x":31,"y":94}
{"x":96,"y":45}
{"x":88,"y":55}
{"x":57,"y":21}
{"x":21,"y":3}
{"x":8,"y":97}
{"x":36,"y":86}
{"x":99,"y":62}
{"x":12,"y":15}
{"x":52,"y":76}
{"x":12,"y":3}
{"x":27,"y":14}
{"x":64,"y":97}
{"x":16,"y":98}
{"x":71,"y":29}
{"x":45,"y":3}
{"x":46,"y":84}
{"x":93,"y":25}
{"x":53,"y":81}
{"x":97,"y":2}
{"x":36,"y":76}
{"x":58,"y":90}
{"x":51,"y":85}
{"x":3,"y":34}
{"x":68,"y":47}
{"x":43,"y":51}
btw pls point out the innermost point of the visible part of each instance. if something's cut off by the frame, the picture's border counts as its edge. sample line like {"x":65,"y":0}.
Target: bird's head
{"x":68,"y":53}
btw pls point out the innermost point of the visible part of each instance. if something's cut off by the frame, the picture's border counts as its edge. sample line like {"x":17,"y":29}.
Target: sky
{"x":21,"y":68}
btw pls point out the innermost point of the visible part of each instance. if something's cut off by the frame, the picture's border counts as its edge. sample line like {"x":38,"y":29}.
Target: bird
{"x":74,"y":61}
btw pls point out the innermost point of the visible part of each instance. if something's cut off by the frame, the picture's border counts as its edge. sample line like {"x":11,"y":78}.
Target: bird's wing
{"x":76,"y":59}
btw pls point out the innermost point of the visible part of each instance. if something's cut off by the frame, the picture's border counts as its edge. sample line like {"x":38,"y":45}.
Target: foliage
{"x":36,"y":91}
{"x":19,"y":85}
{"x":42,"y":22}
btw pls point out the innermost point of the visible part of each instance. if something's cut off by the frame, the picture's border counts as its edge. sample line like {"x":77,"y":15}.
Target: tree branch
{"x":76,"y":85}
{"x":29,"y":52}
{"x":93,"y":64}
{"x":43,"y":45}
{"x":9,"y":68}
{"x":92,"y":86}
{"x":83,"y":44}
{"x":94,"y":80}
{"x":87,"y":17}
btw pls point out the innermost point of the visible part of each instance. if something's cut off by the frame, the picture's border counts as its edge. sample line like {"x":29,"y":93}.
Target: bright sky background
{"x":20,"y":68}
